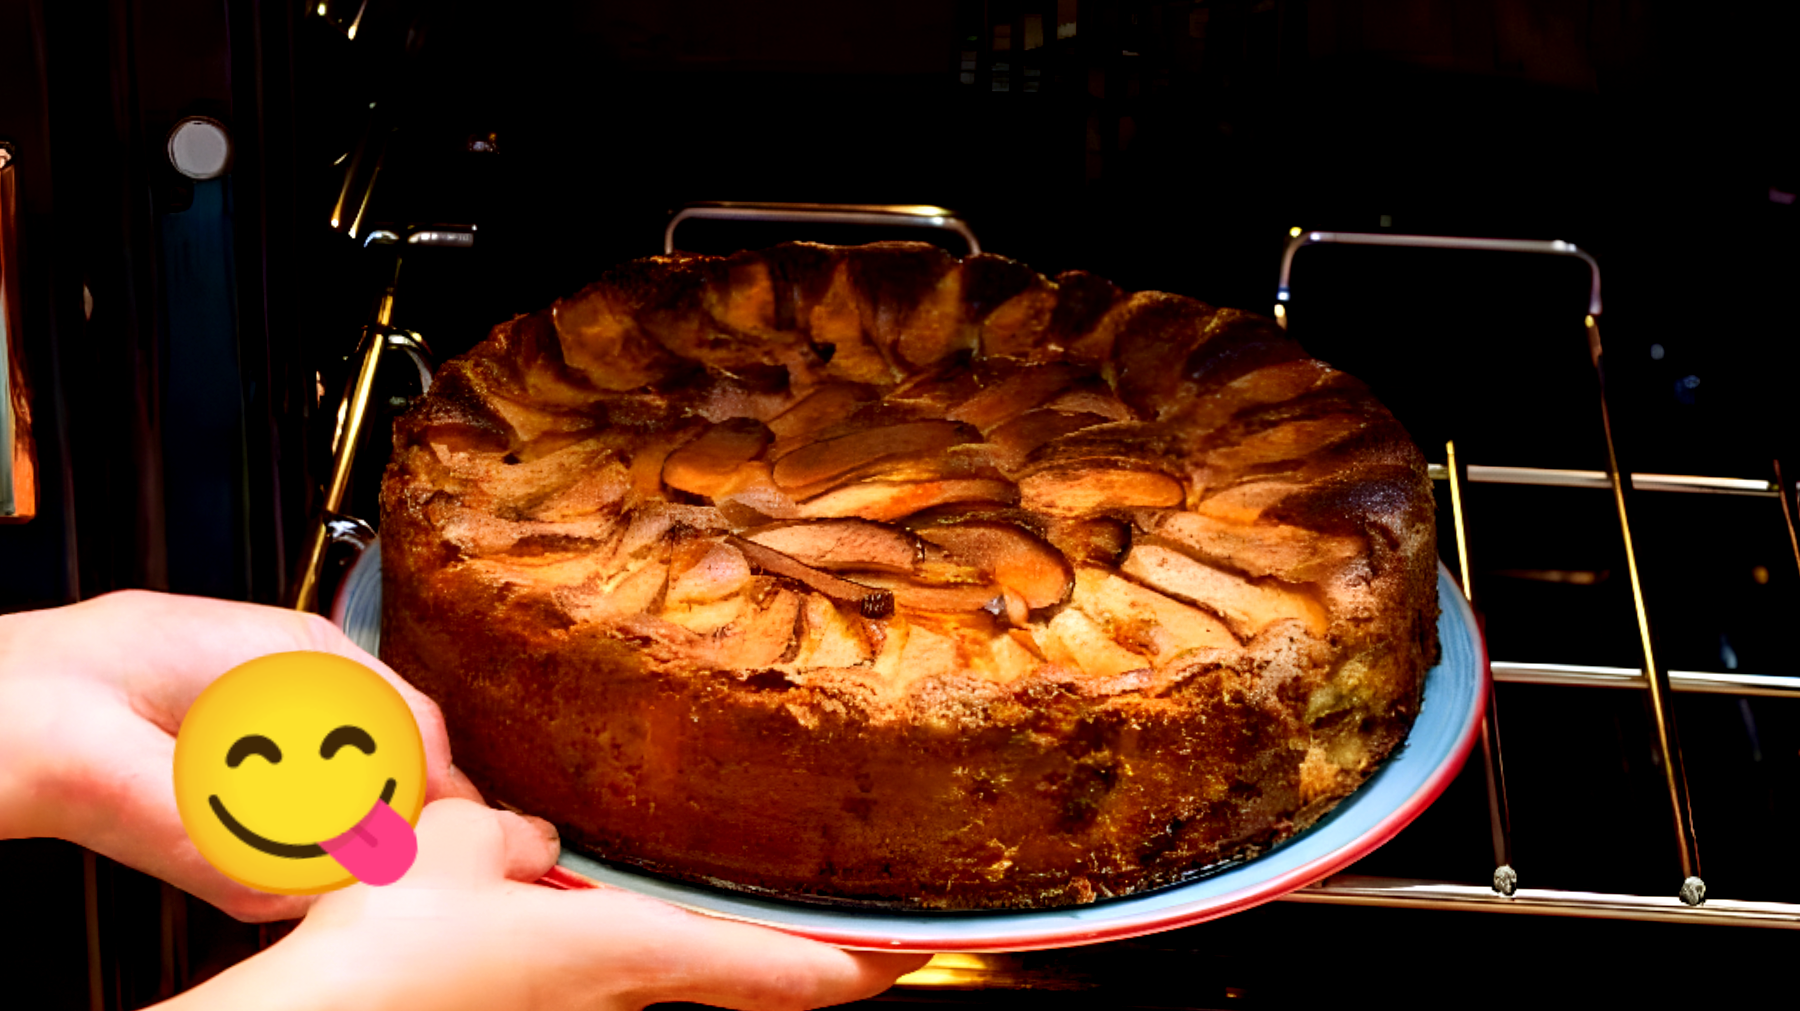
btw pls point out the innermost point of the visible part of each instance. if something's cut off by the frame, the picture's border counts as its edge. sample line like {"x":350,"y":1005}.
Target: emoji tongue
{"x":379,"y":850}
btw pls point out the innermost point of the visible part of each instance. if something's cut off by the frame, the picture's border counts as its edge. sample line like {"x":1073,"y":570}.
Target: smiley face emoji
{"x":299,"y":773}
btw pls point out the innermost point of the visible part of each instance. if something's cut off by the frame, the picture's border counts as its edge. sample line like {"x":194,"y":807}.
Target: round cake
{"x":869,"y":574}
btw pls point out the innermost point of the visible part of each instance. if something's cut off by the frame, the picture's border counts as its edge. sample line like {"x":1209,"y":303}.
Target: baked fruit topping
{"x":868,"y":574}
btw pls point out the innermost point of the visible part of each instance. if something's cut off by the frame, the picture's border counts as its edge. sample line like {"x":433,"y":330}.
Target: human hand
{"x":455,"y":933}
{"x":91,"y":696}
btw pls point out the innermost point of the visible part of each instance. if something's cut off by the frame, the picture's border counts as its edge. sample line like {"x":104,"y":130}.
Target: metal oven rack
{"x":1689,"y":903}
{"x":1686,"y":903}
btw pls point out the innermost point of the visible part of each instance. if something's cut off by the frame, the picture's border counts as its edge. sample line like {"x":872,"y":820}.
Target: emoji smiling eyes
{"x":252,"y":744}
{"x":347,"y":735}
{"x":257,"y":744}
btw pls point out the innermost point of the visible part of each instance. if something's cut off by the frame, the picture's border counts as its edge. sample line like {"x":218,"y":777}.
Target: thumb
{"x":464,"y":843}
{"x":532,"y":846}
{"x":460,"y":843}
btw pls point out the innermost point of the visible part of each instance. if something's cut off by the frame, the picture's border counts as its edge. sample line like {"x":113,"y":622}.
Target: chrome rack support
{"x":332,"y":527}
{"x":1598,"y":479}
{"x":1656,"y":680}
{"x":1686,"y":681}
{"x":1693,"y":888}
{"x":1506,"y":879}
{"x":1356,"y":890}
{"x":18,"y":453}
{"x":887,"y":215}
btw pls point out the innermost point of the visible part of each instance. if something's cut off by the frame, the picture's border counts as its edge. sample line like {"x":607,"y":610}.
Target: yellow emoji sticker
{"x":299,"y":773}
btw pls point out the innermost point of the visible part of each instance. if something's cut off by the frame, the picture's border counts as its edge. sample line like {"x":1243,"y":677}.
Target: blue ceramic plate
{"x":1449,"y":717}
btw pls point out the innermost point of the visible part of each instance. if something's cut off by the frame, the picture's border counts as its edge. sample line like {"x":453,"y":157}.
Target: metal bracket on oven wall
{"x":1656,"y":679}
{"x":18,"y":454}
{"x":878,"y":215}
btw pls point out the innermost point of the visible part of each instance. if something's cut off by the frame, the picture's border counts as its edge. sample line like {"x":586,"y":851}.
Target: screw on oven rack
{"x":1693,"y":892}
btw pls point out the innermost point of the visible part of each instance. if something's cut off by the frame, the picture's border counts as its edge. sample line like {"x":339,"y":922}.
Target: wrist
{"x":290,"y":976}
{"x":29,"y":801}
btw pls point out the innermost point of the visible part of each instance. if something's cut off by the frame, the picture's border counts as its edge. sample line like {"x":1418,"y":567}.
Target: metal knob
{"x":200,"y":148}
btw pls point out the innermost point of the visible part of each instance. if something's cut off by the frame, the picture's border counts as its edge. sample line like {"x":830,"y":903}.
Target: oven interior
{"x":1162,"y":145}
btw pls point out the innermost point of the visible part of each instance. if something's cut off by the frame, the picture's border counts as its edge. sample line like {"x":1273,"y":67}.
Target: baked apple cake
{"x":870,"y":574}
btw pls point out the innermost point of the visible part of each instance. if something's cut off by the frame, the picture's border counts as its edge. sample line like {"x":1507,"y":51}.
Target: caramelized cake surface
{"x":867,"y":573}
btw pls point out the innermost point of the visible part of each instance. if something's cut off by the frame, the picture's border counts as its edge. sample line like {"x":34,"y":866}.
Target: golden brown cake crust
{"x":871,"y":574}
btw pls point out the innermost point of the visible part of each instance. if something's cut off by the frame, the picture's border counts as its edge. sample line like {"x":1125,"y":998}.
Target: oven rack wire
{"x":1689,"y":903}
{"x":1686,"y":904}
{"x":1364,"y":890}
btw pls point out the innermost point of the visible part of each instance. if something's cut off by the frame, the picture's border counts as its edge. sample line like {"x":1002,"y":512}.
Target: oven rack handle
{"x":877,"y":215}
{"x":1299,"y":238}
